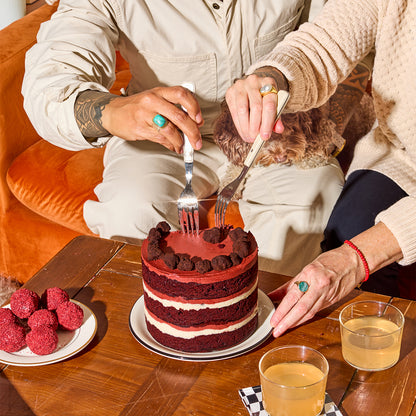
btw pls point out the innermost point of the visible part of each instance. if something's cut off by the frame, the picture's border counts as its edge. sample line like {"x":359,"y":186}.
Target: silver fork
{"x":188,"y":202}
{"x":224,"y":197}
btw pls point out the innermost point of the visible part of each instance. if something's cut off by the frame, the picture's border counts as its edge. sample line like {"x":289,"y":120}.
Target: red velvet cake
{"x":200,"y":292}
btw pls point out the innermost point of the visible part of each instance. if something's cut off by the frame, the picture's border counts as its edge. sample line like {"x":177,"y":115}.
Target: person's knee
{"x":126,"y":218}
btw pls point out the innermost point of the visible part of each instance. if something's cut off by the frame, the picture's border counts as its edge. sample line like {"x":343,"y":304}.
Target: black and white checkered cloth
{"x":253,"y":400}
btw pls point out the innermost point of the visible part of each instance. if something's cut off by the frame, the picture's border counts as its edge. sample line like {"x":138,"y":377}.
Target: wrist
{"x":275,"y":74}
{"x":88,"y":110}
{"x":362,"y":260}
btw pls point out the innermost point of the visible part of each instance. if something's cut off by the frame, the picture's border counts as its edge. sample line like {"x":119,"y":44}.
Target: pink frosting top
{"x":197,"y":246}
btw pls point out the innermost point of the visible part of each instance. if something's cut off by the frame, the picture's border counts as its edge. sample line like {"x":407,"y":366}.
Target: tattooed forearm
{"x":346,"y":98}
{"x":88,"y":109}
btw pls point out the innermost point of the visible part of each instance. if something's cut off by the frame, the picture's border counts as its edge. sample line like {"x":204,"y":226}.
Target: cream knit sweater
{"x":321,"y":54}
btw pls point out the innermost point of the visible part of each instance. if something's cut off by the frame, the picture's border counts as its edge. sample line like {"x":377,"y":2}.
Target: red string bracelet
{"x":366,"y":268}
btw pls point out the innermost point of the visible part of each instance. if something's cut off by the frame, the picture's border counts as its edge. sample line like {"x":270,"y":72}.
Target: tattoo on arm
{"x":88,"y":110}
{"x":347,"y":96}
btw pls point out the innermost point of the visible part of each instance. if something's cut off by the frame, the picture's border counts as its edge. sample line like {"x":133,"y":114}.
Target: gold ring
{"x":267,"y":89}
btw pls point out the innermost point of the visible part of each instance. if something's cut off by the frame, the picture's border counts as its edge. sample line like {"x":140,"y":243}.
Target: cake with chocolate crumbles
{"x":200,"y":292}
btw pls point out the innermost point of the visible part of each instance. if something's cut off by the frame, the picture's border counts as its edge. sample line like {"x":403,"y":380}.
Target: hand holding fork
{"x":188,"y":202}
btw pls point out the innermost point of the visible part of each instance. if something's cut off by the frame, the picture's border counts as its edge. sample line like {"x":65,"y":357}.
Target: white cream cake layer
{"x":186,"y":306}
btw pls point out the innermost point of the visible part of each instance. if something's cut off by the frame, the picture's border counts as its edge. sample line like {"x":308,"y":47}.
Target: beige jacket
{"x":210,"y":43}
{"x":320,"y":55}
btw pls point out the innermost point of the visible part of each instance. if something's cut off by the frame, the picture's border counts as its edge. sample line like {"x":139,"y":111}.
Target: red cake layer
{"x":204,"y":343}
{"x":163,"y":297}
{"x":167,"y":283}
{"x":202,"y":317}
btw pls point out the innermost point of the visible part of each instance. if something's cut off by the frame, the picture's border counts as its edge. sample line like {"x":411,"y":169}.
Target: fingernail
{"x":198,"y":118}
{"x":265,"y":136}
{"x":198,"y":144}
{"x":277,"y":332}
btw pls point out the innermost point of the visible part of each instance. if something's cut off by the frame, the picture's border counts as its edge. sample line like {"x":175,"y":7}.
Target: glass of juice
{"x":371,"y":334}
{"x":293,"y":381}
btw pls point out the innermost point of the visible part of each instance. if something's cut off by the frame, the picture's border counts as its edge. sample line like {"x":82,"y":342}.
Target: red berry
{"x":12,"y":337}
{"x":42,"y":340}
{"x":24,"y":302}
{"x":43,"y":317}
{"x":53,"y":297}
{"x":70,"y":315}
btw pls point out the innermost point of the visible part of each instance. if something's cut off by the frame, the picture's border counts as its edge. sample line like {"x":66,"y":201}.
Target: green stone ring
{"x":303,"y":286}
{"x":159,"y":121}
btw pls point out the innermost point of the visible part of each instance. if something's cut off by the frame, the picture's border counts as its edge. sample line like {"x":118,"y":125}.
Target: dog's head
{"x":308,"y":140}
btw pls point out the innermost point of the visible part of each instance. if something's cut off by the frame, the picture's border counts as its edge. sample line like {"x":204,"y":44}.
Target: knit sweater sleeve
{"x":400,"y":219}
{"x":321,"y":54}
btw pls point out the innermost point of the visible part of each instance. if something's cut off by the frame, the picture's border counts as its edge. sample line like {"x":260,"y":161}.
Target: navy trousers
{"x":365,"y":194}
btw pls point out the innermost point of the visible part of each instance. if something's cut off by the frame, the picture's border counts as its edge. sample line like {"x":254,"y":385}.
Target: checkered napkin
{"x":252,"y":399}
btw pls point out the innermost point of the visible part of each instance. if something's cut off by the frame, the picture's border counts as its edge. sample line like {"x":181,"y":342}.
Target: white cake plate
{"x":139,"y":330}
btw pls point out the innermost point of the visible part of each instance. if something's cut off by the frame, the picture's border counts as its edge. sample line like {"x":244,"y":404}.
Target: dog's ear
{"x":227,"y":138}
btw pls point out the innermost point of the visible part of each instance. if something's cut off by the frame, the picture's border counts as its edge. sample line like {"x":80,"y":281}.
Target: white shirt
{"x":208,"y":42}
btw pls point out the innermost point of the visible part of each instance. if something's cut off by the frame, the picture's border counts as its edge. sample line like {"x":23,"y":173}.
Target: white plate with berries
{"x":66,"y":342}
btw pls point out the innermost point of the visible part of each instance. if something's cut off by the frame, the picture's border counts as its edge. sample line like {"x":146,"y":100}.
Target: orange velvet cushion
{"x":55,"y":182}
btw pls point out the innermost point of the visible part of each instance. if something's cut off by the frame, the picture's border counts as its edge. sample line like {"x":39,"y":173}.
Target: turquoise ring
{"x":159,"y":121}
{"x":303,"y":286}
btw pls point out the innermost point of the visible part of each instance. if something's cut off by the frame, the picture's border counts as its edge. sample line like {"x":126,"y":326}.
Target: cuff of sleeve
{"x":291,"y":71}
{"x":400,"y":219}
{"x":368,"y":63}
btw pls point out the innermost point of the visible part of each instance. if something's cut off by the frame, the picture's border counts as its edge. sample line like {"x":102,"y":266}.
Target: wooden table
{"x":115,"y":375}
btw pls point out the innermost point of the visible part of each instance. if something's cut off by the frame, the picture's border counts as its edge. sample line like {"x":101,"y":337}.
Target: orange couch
{"x":42,"y":187}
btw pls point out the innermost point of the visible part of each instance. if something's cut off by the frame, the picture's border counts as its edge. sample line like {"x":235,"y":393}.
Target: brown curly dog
{"x":308,"y":140}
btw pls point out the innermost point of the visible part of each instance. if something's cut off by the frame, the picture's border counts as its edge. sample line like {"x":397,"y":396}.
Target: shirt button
{"x":216,"y":6}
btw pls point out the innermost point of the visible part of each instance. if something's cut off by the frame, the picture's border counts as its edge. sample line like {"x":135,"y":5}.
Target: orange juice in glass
{"x":293,"y":380}
{"x":371,"y":334}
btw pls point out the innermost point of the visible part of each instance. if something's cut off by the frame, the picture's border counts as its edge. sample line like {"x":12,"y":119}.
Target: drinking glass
{"x":371,"y":334}
{"x":293,"y":380}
